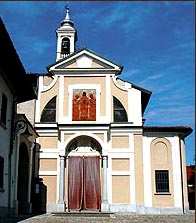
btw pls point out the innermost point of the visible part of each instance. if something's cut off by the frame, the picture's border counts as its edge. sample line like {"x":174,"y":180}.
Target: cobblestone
{"x":115,"y":218}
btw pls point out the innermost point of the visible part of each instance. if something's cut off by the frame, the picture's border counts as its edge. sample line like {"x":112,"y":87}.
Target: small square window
{"x":162,"y":181}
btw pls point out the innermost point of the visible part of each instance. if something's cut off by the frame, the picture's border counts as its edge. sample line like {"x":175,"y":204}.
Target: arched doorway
{"x":23,"y":180}
{"x":84,"y":185}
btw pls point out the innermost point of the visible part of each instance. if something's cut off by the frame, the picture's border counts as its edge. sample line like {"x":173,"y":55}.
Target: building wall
{"x":161,"y":159}
{"x":27,"y":108}
{"x":139,"y":182}
{"x":5,"y":135}
{"x":132,"y":157}
{"x":156,"y":145}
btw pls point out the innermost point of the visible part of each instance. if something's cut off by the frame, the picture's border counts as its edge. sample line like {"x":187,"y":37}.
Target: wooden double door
{"x":84,"y":187}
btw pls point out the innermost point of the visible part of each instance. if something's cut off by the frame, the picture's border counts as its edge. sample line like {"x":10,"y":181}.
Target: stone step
{"x":82,"y":214}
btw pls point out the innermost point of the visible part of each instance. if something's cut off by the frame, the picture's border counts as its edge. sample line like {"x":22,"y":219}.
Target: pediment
{"x":84,"y":60}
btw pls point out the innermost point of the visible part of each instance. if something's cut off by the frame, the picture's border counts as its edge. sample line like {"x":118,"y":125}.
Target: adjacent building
{"x":17,"y":135}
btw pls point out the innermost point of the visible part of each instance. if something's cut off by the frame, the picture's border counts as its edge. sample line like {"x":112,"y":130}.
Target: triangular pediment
{"x":84,"y":60}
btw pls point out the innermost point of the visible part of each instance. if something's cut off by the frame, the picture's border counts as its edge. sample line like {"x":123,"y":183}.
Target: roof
{"x":78,"y":51}
{"x":145,"y":94}
{"x":13,"y":71}
{"x":180,"y":130}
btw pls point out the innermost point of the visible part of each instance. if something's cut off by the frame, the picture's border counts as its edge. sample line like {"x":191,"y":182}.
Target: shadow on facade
{"x":38,"y":188}
{"x":39,"y":197}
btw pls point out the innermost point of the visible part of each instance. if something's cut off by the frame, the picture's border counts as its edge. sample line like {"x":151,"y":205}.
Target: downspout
{"x":182,"y":184}
{"x":12,"y":129}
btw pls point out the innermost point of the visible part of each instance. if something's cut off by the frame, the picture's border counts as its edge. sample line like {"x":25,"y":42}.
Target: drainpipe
{"x":181,"y":168}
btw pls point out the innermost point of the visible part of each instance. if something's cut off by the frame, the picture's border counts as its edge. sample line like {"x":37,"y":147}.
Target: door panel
{"x":92,"y":187}
{"x":84,"y":188}
{"x":75,"y":182}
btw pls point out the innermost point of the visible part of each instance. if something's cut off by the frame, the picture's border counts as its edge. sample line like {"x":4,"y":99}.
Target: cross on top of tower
{"x":67,"y":19}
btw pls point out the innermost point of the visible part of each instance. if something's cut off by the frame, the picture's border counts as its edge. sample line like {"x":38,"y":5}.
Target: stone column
{"x":105,"y":205}
{"x":61,"y":202}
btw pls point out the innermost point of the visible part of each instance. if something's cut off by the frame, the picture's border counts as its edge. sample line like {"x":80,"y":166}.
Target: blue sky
{"x":154,"y":41}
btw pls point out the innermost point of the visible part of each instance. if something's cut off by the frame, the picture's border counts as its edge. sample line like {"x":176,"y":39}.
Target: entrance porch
{"x":83,"y":177}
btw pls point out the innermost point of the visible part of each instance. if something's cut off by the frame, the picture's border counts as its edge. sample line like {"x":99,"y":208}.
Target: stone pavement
{"x":115,"y":218}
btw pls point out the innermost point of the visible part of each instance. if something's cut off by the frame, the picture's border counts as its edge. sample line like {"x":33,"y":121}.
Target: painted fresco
{"x":84,"y":105}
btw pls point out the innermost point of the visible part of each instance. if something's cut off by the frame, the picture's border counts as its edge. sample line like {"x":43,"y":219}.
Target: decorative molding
{"x":46,"y":88}
{"x":47,"y":173}
{"x":87,"y":87}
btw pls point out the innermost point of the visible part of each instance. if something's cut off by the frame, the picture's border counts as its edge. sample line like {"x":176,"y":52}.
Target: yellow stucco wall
{"x":46,"y":96}
{"x":120,"y":164}
{"x":47,"y":80}
{"x":100,"y":135}
{"x":48,"y":142}
{"x":120,"y":141}
{"x":50,"y":183}
{"x":120,"y":94}
{"x":161,"y":159}
{"x":119,"y":195}
{"x":139,"y":181}
{"x":47,"y":164}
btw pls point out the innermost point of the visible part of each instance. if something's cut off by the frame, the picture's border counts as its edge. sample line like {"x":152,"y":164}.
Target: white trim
{"x":119,"y":151}
{"x":48,"y":150}
{"x":48,"y":87}
{"x":121,"y":155}
{"x":121,"y":173}
{"x":109,"y":177}
{"x":83,"y":86}
{"x":108,"y":99}
{"x":48,"y":155}
{"x":79,"y":73}
{"x":130,"y":108}
{"x":125,"y":208}
{"x":84,"y":128}
{"x":123,"y":88}
{"x":83,"y":52}
{"x":176,"y":171}
{"x":119,"y":134}
{"x":84,"y":134}
{"x":47,"y":132}
{"x":48,"y":125}
{"x":61,"y":99}
{"x":139,"y":131}
{"x":147,"y":172}
{"x":47,"y":173}
{"x":37,"y":102}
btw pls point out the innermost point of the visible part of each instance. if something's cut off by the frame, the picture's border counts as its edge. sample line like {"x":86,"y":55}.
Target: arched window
{"x":1,"y":172}
{"x":49,"y":112}
{"x":119,"y":112}
{"x":65,"y":46}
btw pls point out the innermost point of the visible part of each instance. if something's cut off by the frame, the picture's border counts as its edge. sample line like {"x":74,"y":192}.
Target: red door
{"x":84,"y":187}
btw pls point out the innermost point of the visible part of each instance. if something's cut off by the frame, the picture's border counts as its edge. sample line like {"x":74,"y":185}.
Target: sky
{"x":153,"y":41}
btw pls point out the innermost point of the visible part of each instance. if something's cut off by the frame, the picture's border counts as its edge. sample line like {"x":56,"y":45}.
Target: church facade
{"x":96,"y":153}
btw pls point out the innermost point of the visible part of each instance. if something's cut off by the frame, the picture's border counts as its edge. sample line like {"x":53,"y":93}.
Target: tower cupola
{"x":66,"y":37}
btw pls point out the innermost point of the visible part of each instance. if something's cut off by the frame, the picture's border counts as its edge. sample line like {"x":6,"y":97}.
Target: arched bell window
{"x":119,"y":112}
{"x":65,"y":46}
{"x":49,"y":112}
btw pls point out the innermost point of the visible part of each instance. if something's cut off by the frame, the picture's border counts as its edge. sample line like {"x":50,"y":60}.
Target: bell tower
{"x":66,"y":37}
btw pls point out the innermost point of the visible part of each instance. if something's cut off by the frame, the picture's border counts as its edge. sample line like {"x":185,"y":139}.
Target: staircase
{"x":83,"y":214}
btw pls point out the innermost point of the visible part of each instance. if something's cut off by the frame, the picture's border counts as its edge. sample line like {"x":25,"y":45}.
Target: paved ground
{"x":48,"y":218}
